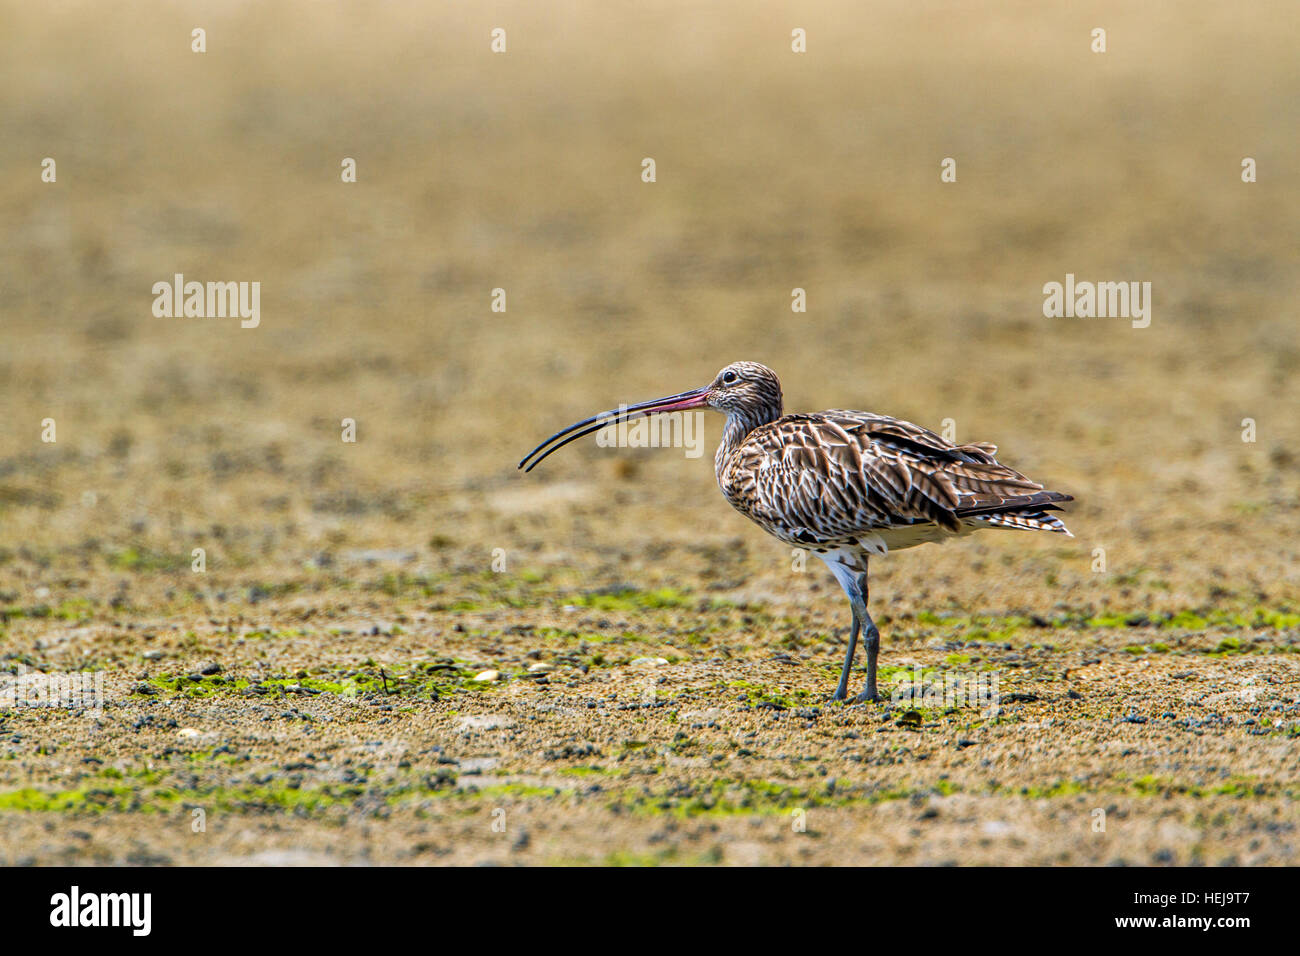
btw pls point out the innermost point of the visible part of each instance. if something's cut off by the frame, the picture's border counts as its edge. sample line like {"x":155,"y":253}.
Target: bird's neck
{"x":739,"y":425}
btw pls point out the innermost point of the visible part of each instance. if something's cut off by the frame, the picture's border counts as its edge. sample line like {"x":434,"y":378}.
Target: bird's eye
{"x":728,"y":378}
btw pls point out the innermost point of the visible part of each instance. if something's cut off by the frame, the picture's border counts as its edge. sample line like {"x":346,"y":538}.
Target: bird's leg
{"x":854,"y":583}
{"x":870,"y":637}
{"x":842,"y":690}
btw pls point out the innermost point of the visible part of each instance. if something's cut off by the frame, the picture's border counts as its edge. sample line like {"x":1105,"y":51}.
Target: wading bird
{"x":845,"y":484}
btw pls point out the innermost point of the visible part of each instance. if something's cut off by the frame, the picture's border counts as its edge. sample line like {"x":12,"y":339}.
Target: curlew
{"x":847,"y":485}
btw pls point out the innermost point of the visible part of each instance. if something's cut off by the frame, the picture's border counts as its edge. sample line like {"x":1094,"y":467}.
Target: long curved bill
{"x":695,"y":398}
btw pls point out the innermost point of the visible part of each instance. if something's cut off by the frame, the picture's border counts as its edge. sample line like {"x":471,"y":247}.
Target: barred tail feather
{"x":1027,"y":521}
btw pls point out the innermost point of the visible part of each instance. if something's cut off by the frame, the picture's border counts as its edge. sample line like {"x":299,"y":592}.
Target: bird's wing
{"x":907,"y":436}
{"x":841,"y":472}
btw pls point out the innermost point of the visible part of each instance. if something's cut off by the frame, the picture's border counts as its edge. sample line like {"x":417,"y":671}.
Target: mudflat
{"x":399,"y":649}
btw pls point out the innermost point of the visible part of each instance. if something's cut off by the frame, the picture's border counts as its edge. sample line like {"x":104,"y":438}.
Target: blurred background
{"x":522,"y":171}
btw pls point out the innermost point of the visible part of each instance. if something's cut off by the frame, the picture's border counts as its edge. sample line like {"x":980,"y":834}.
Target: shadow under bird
{"x":845,"y":484}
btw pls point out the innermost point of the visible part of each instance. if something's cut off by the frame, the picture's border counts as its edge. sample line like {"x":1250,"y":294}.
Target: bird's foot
{"x":840,"y":693}
{"x":868,"y":696}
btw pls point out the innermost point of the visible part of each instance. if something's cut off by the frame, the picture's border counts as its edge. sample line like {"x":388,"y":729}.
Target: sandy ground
{"x":662,"y":668}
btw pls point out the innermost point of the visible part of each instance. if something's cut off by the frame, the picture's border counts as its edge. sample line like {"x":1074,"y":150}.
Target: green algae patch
{"x":632,"y":599}
{"x":422,"y":679}
{"x":1061,"y":788}
{"x":281,"y":796}
{"x":1237,"y":787}
{"x":88,"y":800}
{"x":759,"y":695}
{"x":74,"y":610}
{"x":588,"y":772}
{"x":139,"y":560}
{"x":711,"y":798}
{"x":197,"y":686}
{"x":1259,"y":618}
{"x":1225,"y":647}
{"x":735,"y":797}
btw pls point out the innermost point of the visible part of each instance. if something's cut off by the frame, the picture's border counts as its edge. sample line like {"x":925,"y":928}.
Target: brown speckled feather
{"x":833,"y":477}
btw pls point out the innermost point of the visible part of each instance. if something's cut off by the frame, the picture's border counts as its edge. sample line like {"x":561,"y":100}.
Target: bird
{"x":847,"y":485}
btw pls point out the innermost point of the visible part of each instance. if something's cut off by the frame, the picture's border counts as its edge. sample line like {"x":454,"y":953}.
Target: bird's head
{"x":743,"y":390}
{"x":747,"y":389}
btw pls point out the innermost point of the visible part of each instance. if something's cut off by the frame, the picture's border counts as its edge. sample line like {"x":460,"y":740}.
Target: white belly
{"x":896,"y":539}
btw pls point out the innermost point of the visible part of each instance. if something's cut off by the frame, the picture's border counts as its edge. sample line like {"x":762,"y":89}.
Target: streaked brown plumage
{"x":845,"y":484}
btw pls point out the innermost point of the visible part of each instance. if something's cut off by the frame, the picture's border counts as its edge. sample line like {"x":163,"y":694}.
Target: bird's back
{"x":839,"y":476}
